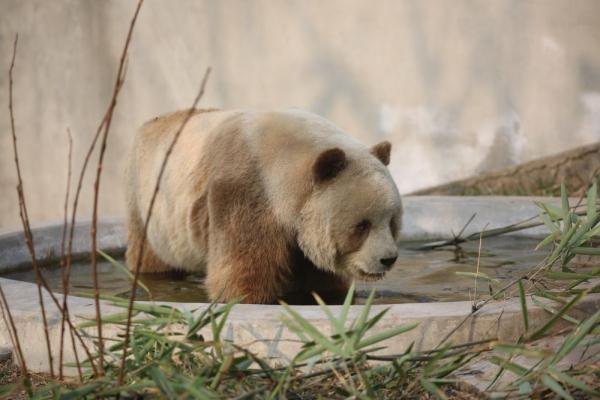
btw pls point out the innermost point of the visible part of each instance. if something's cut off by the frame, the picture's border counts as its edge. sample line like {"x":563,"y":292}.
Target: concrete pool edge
{"x":260,"y":329}
{"x":260,"y":326}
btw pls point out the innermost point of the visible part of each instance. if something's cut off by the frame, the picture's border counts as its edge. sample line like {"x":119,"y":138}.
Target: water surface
{"x":418,"y":276}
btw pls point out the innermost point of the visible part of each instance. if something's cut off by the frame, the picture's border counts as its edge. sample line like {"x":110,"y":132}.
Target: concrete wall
{"x":457,"y":86}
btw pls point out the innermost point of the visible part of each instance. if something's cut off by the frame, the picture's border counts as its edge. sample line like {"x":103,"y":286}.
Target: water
{"x":418,"y":276}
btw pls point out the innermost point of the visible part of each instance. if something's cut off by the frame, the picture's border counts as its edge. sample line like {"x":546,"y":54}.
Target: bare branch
{"x":139,"y":260}
{"x":23,"y":208}
{"x":106,"y":123}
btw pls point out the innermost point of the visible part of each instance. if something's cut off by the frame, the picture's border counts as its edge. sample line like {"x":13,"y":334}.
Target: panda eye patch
{"x":363,"y":226}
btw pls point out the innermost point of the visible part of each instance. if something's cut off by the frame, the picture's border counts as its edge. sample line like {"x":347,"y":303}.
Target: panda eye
{"x":362,"y":227}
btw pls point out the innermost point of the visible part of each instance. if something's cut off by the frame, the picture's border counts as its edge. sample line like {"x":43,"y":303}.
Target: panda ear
{"x":329,"y":164}
{"x":382,"y":151}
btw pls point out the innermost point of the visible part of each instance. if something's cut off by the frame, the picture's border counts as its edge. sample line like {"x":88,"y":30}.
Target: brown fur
{"x":382,"y":152}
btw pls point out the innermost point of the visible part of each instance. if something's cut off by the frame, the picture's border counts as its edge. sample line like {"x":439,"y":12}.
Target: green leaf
{"x":162,"y":382}
{"x":587,"y":251}
{"x":521,"y":349}
{"x":432,"y":388}
{"x":556,"y":387}
{"x":567,"y":276}
{"x":553,"y":311}
{"x":577,"y":336}
{"x":338,"y":326}
{"x":124,"y":270}
{"x":313,"y":332}
{"x":554,"y":212}
{"x":358,"y":325}
{"x":592,"y":195}
{"x":525,"y":388}
{"x":223,"y":314}
{"x":548,"y":239}
{"x":564,"y":199}
{"x":540,"y":332}
{"x":386,"y":334}
{"x":82,"y":391}
{"x":552,"y":227}
{"x":7,"y":389}
{"x":347,"y":304}
{"x":523,"y":305}
{"x":509,"y":365}
{"x":576,"y":383}
{"x":476,"y":275}
{"x":117,"y":318}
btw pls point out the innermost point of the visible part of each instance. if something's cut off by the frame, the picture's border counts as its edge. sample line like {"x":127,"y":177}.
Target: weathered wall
{"x":458,"y":87}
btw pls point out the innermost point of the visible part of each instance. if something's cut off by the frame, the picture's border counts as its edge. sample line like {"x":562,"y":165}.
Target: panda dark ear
{"x":329,"y":164}
{"x":382,"y":151}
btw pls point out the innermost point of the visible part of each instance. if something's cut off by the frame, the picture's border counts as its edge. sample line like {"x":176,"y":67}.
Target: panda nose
{"x":388,"y":262}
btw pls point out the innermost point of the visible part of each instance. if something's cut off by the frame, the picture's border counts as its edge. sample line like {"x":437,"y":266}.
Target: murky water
{"x":418,"y":276}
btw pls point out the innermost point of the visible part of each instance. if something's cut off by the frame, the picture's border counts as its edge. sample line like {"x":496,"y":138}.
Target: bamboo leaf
{"x":338,"y":326}
{"x":540,"y":332}
{"x":386,"y":334}
{"x":525,"y":388}
{"x":521,"y":349}
{"x":479,"y":275}
{"x":548,"y":239}
{"x":552,"y":227}
{"x":7,"y":389}
{"x":564,"y":199}
{"x":523,"y":305}
{"x":592,"y":195}
{"x":124,"y":270}
{"x":554,"y":212}
{"x":576,"y":383}
{"x":162,"y":382}
{"x":587,"y":251}
{"x":553,"y":311}
{"x":313,"y":332}
{"x":577,"y":336}
{"x":432,"y":388}
{"x":82,"y":391}
{"x":347,"y":304}
{"x":567,"y":276}
{"x":509,"y":365}
{"x":556,"y":387}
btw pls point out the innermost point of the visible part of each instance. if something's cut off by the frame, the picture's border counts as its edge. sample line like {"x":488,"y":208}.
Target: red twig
{"x":23,"y":208}
{"x":139,"y":260}
{"x":93,"y":231}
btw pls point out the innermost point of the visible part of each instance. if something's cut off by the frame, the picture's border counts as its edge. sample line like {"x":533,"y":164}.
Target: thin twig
{"x":475,"y":309}
{"x":23,"y":208}
{"x":108,"y":119}
{"x":12,"y":329}
{"x":478,"y":263}
{"x":139,"y":260}
{"x":62,"y":262}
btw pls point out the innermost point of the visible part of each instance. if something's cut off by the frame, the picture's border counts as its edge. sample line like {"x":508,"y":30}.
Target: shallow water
{"x":418,"y":276}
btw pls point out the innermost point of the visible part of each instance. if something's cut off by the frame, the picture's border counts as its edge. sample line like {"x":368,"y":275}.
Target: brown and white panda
{"x":271,"y":205}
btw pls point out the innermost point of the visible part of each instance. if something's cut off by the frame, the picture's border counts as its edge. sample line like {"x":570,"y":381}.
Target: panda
{"x":270,"y":205}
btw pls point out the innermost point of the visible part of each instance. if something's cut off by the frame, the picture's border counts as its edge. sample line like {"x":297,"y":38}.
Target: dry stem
{"x":140,"y":253}
{"x":12,"y":330}
{"x":23,"y":208}
{"x":63,"y":266}
{"x":41,"y":281}
{"x":106,"y":123}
